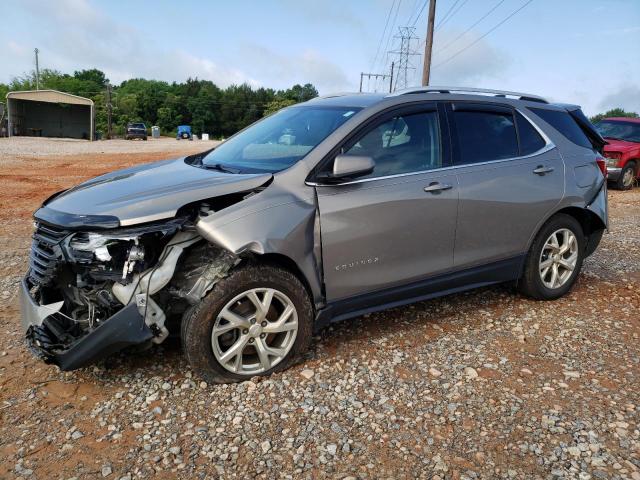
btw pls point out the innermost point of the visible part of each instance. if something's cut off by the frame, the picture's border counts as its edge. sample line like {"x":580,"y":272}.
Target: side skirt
{"x":445,"y":284}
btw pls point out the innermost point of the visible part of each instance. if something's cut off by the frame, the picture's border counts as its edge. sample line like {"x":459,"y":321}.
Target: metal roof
{"x":50,"y":96}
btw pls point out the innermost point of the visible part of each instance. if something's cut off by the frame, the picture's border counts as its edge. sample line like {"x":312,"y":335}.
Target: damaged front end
{"x":90,"y":293}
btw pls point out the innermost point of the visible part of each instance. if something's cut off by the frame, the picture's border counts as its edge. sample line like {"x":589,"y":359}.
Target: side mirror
{"x":348,"y":167}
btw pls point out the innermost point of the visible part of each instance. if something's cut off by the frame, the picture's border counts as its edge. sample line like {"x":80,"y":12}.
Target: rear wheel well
{"x":589,"y":221}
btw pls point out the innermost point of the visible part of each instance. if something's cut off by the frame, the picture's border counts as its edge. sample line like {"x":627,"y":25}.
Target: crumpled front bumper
{"x":121,"y":330}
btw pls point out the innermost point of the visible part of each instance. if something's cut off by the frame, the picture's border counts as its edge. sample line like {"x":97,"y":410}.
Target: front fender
{"x":286,"y":227}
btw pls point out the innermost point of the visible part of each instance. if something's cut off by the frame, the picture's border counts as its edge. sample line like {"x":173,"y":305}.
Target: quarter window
{"x":402,"y":144}
{"x":484,"y":136}
{"x":530,"y":139}
{"x":565,"y":124}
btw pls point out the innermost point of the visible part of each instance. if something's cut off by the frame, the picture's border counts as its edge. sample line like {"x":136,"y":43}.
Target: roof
{"x":49,"y":96}
{"x":364,"y":100}
{"x":624,"y":119}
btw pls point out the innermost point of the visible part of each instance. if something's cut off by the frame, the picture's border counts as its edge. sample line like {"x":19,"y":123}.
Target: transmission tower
{"x":405,"y":41}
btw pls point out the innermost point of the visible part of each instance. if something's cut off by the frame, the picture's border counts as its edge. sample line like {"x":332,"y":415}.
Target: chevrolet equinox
{"x":323,"y":211}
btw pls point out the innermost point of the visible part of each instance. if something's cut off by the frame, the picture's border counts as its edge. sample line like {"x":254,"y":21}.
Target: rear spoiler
{"x":587,"y":127}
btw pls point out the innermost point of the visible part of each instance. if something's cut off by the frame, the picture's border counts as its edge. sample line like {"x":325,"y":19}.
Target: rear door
{"x":396,"y":225}
{"x":511,"y":177}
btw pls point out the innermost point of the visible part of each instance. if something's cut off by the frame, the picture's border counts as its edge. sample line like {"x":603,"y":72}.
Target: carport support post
{"x":9,"y":134}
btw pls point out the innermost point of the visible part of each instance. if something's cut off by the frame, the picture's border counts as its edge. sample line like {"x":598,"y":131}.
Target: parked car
{"x":622,"y":150}
{"x":324,"y":211}
{"x":184,"y":133}
{"x":136,"y":130}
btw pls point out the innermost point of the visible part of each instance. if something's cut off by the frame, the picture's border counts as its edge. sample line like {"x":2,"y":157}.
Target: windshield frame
{"x":287,"y":162}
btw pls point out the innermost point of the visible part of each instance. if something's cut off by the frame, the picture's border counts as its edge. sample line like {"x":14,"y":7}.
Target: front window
{"x":402,"y":144}
{"x":278,"y":141}
{"x":619,"y":130}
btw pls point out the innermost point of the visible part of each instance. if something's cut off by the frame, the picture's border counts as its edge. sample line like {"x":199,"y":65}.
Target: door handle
{"x":437,"y":187}
{"x":541,"y":170}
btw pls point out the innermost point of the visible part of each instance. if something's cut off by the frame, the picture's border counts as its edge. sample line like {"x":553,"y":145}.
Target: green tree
{"x":614,"y":112}
{"x":277,"y":104}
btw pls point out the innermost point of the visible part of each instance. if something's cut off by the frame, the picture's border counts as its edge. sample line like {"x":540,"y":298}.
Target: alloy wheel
{"x":628,"y":177}
{"x":254,"y":331}
{"x":558,"y":258}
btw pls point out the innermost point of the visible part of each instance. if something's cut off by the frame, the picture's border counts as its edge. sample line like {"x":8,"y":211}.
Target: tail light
{"x":602,"y":165}
{"x":614,"y":155}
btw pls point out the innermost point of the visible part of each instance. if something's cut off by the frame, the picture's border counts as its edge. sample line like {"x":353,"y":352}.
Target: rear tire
{"x":228,"y":321}
{"x":554,"y":260}
{"x":627,"y":177}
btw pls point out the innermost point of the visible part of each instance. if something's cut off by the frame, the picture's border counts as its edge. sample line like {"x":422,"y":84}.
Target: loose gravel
{"x":52,"y":147}
{"x":485,"y":384}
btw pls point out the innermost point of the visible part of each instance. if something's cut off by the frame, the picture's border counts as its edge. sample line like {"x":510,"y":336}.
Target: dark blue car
{"x":184,"y":132}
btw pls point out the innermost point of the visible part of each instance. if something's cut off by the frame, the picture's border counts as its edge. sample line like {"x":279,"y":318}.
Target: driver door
{"x":396,"y":225}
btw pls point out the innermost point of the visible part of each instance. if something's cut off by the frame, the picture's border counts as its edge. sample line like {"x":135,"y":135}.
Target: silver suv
{"x":323,"y":211}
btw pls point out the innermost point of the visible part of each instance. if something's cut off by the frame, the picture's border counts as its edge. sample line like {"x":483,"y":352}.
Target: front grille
{"x":46,"y":253}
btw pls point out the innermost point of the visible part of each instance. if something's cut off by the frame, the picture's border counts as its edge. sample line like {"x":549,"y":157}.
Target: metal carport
{"x":49,"y":113}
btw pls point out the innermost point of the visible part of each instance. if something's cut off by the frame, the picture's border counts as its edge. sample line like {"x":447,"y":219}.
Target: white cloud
{"x":476,"y":65}
{"x":308,"y":66}
{"x":627,"y":97}
{"x":82,"y":36}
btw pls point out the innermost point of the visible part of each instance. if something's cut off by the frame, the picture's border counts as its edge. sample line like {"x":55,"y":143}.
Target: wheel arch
{"x":286,"y":263}
{"x":588,"y":220}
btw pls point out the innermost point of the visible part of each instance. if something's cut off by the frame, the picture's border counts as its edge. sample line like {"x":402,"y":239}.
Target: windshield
{"x":619,"y":130}
{"x":278,"y":141}
{"x":136,"y":125}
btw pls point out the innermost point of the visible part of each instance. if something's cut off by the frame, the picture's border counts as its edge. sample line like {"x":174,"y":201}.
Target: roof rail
{"x":463,"y":90}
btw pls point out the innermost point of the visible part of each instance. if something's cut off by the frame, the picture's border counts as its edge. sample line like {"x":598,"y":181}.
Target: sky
{"x":585,"y":52}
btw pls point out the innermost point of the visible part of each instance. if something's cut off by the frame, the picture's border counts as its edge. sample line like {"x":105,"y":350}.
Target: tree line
{"x":208,"y":108}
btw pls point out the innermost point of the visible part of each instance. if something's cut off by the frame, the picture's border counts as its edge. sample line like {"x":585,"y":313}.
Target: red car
{"x":623,"y":149}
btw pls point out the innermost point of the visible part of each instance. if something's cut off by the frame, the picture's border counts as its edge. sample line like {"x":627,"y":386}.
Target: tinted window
{"x":485,"y":136}
{"x":564,"y":124}
{"x":530,"y":139}
{"x":402,"y":144}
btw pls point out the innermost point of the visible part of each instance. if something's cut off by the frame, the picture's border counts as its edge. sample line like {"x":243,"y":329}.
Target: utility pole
{"x":383,"y":76}
{"x":37,"y":71}
{"x":428,"y":46}
{"x":109,"y":109}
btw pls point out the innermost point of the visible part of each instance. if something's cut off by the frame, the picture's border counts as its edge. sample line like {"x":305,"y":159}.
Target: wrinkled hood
{"x":620,"y":145}
{"x":150,"y":192}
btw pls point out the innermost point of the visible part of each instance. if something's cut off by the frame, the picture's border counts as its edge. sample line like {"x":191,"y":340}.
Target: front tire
{"x":254,"y":322}
{"x":554,"y":260}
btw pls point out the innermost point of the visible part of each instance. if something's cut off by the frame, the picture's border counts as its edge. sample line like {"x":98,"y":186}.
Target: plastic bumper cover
{"x":613,"y":173}
{"x":125,"y":328}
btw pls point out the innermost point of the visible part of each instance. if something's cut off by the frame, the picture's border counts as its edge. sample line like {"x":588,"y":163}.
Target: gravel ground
{"x":485,"y":384}
{"x":52,"y":147}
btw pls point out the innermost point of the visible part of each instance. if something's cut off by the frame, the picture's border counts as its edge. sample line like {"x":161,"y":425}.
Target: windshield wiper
{"x":221,"y":168}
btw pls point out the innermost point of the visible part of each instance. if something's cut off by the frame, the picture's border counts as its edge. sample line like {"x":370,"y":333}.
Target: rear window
{"x":484,"y":136}
{"x":565,"y":124}
{"x":530,"y":140}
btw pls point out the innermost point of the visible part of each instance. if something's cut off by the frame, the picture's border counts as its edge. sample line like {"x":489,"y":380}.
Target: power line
{"x":393,"y":26}
{"x":424,"y":4}
{"x":386,"y":24}
{"x":471,"y":27}
{"x":483,"y":36}
{"x":444,"y":17}
{"x":443,"y":21}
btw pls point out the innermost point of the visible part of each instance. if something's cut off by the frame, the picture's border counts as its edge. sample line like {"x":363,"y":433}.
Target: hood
{"x":150,"y":192}
{"x":620,"y":145}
